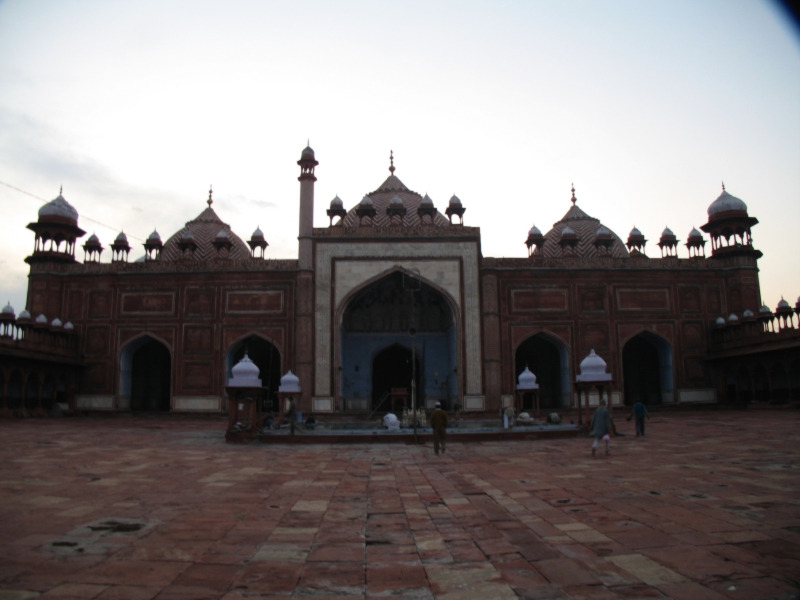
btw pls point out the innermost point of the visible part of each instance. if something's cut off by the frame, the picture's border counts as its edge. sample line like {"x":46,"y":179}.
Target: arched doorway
{"x":761,"y":383}
{"x":546,"y":357}
{"x":794,"y":378}
{"x":268,"y":360}
{"x":48,"y":391}
{"x":392,"y":368}
{"x":730,"y":387}
{"x":379,"y":318}
{"x":780,"y":384}
{"x":145,"y":375}
{"x":32,"y":392}
{"x":14,"y":391}
{"x":647,"y":369}
{"x":2,"y":390}
{"x":743,"y":385}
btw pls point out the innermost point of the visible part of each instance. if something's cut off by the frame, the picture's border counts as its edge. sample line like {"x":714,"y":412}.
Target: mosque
{"x":395,"y":288}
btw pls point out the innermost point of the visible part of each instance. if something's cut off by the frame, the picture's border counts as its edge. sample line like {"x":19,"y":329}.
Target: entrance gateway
{"x":377,"y":344}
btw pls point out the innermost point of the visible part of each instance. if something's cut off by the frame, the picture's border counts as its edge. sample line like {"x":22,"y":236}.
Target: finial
{"x":574,"y":199}
{"x":210,"y":201}
{"x":391,"y":162}
{"x":61,"y":190}
{"x":723,"y":186}
{"x":308,"y":142}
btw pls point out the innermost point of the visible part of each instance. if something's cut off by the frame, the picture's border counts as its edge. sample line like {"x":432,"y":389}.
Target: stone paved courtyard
{"x":705,"y":506}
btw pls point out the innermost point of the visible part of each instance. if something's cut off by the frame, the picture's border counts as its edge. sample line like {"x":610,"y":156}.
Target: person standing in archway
{"x":291,"y":414}
{"x":439,"y":427}
{"x":601,"y":427}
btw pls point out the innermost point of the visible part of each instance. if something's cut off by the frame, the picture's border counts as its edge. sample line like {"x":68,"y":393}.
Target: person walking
{"x":439,"y":427}
{"x":291,"y":415}
{"x":640,"y":412}
{"x":601,"y":427}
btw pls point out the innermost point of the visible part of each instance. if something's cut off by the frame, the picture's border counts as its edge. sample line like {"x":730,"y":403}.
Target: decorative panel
{"x":95,"y":376}
{"x":99,"y":303}
{"x":200,"y":302}
{"x":75,"y":305}
{"x":713,"y":299}
{"x":653,"y":299}
{"x":197,"y":375}
{"x":592,"y":299}
{"x":694,"y":369}
{"x":198,"y":339}
{"x":594,"y":336}
{"x":149,"y":303}
{"x":689,"y":298}
{"x":97,"y":340}
{"x":540,"y":300}
{"x":693,"y":335}
{"x":254,"y":302}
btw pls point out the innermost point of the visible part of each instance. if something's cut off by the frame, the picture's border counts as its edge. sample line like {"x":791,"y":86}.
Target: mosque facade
{"x":394,"y":289}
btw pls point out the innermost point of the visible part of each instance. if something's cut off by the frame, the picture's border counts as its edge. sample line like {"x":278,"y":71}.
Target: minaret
{"x":306,"y":179}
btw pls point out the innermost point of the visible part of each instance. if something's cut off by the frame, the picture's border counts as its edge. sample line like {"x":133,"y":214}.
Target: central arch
{"x":547,"y":357}
{"x":379,"y":318}
{"x":647,"y":369}
{"x":146,"y":375}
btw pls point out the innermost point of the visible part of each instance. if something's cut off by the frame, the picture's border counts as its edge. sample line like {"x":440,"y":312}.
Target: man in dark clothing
{"x":439,"y":427}
{"x":291,"y":415}
{"x":640,"y":412}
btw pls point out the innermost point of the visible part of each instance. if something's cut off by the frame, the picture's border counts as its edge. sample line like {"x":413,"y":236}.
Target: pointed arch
{"x":145,"y":373}
{"x":550,"y":364}
{"x":647,"y":368}
{"x":268,"y":357}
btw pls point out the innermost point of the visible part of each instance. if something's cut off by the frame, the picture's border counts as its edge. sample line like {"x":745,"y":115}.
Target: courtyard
{"x":706,"y":506}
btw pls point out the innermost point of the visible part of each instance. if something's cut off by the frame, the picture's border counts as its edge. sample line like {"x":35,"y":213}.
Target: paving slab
{"x":144,"y":506}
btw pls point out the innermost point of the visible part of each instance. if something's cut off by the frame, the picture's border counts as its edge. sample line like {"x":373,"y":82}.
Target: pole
{"x":414,"y":381}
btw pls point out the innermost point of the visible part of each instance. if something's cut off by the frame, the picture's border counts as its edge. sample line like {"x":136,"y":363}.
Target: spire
{"x":61,"y":191}
{"x":391,"y":162}
{"x":210,"y":201}
{"x":574,"y":199}
{"x":723,"y":186}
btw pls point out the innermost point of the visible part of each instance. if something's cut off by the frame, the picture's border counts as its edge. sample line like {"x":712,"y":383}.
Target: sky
{"x":647,"y":107}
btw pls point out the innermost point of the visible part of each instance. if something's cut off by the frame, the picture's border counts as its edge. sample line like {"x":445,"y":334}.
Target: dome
{"x":720,"y":321}
{"x":244,"y":374}
{"x":187,"y":235}
{"x":527,"y":380}
{"x":732,"y":318}
{"x":454,"y":201}
{"x":747,"y":313}
{"x":366,"y":201}
{"x":567,"y":231}
{"x":694,"y":233}
{"x":426,"y":201}
{"x":8,"y":309}
{"x":585,"y":229}
{"x":783,"y":304}
{"x":121,"y":237}
{"x":603,"y":230}
{"x":154,"y":236}
{"x":290,"y":383}
{"x":308,"y":151}
{"x":222,"y":234}
{"x":764,"y":310}
{"x":93,"y":239}
{"x":68,"y":326}
{"x":41,"y":319}
{"x":396,"y":201}
{"x":667,"y":232}
{"x":24,"y":315}
{"x":593,"y":368}
{"x":59,"y":208}
{"x":726,"y":202}
{"x":534,"y":231}
{"x":204,"y":230}
{"x":257,"y":233}
{"x":337,"y":202}
{"x":56,"y":322}
{"x":634,"y":232}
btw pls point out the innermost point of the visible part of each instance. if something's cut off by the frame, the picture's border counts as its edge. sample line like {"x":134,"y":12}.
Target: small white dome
{"x":93,"y":239}
{"x":337,"y":202}
{"x":694,"y":233}
{"x":732,"y":318}
{"x":154,"y":236}
{"x":527,"y":380}
{"x":69,"y":326}
{"x":8,"y":309}
{"x":290,"y":383}
{"x":534,"y":231}
{"x":187,"y":235}
{"x":764,"y":309}
{"x":122,"y":237}
{"x":634,"y":232}
{"x":41,"y":319}
{"x":308,"y":151}
{"x":427,"y":201}
{"x":59,"y":208}
{"x":603,"y":230}
{"x":593,"y":368}
{"x":726,"y":202}
{"x":567,"y":231}
{"x":258,"y":233}
{"x":244,"y":374}
{"x":783,"y":303}
{"x":454,"y":201}
{"x":396,"y":201}
{"x":747,"y":313}
{"x":366,"y":201}
{"x":720,"y":321}
{"x":56,"y":322}
{"x":667,"y":232}
{"x":24,"y":314}
{"x":222,"y":234}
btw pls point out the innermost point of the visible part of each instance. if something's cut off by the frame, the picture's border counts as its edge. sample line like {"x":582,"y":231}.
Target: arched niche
{"x":392,"y":368}
{"x":381,"y":315}
{"x":14,"y":390}
{"x":145,"y":375}
{"x":48,"y":391}
{"x":32,"y":392}
{"x":647,"y":369}
{"x":780,"y":383}
{"x":547,"y":357}
{"x":266,"y":357}
{"x":761,"y":383}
